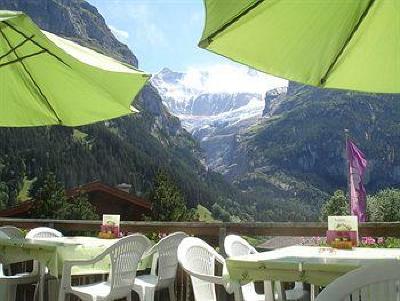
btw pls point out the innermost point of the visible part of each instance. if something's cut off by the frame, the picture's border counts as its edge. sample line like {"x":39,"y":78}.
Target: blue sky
{"x":161,"y":33}
{"x":165,"y":33}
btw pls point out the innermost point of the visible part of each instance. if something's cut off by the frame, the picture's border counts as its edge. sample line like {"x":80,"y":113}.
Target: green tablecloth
{"x":315,"y":265}
{"x":53,"y":252}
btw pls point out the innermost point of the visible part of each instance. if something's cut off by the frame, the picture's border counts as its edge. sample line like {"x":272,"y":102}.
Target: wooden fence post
{"x":221,"y":239}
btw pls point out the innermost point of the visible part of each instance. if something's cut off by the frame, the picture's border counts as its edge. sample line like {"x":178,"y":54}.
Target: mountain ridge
{"x":213,"y":115}
{"x":298,"y":148}
{"x":76,"y":20}
{"x":130,"y":149}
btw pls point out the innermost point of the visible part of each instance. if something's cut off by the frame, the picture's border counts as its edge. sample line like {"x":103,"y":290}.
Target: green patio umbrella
{"x":346,"y":44}
{"x":48,"y":80}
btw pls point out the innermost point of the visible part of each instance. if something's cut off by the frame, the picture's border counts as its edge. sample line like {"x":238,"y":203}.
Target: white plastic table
{"x":318,"y":266}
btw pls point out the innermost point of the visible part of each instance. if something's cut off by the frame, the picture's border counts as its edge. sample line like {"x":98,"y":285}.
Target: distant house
{"x":106,"y":199}
{"x":278,"y":242}
{"x":20,"y":211}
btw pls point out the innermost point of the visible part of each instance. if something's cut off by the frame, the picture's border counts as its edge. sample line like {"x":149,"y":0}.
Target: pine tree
{"x":51,"y":201}
{"x":3,"y":195}
{"x":168,"y":203}
{"x":338,"y":204}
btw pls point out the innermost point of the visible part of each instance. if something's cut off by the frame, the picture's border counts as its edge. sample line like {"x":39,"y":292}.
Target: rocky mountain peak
{"x":273,"y":100}
{"x":128,"y":150}
{"x":76,"y":20}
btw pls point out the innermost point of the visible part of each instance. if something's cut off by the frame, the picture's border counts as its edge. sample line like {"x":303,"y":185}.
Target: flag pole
{"x":347,"y":136}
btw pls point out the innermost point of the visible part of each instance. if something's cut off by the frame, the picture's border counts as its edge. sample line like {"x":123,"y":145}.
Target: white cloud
{"x":121,"y":35}
{"x":196,"y":18}
{"x":141,"y":18}
{"x":145,"y":27}
{"x":153,"y":35}
{"x":230,"y":78}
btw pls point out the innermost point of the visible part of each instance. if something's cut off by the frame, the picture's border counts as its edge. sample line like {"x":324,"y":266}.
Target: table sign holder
{"x":342,"y":232}
{"x":110,"y":227}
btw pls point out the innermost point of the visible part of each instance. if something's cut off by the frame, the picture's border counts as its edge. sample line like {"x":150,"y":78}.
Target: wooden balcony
{"x":213,"y":233}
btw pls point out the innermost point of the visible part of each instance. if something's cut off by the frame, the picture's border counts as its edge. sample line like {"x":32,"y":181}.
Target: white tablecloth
{"x":315,"y":265}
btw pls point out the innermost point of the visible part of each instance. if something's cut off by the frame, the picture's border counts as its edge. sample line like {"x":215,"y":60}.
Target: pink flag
{"x":358,"y":194}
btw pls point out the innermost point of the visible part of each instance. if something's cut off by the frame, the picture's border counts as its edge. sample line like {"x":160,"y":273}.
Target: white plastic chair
{"x":11,"y":282}
{"x":237,"y":246}
{"x":163,"y":270}
{"x":198,"y":259}
{"x":377,"y":282}
{"x":12,"y":232}
{"x":124,"y":255}
{"x":43,"y":232}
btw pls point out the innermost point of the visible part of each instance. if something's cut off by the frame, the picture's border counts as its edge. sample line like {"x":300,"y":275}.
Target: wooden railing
{"x":215,"y":231}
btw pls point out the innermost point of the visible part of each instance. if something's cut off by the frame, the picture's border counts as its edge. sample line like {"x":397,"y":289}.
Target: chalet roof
{"x":17,"y":210}
{"x":118,"y":193}
{"x":96,"y":186}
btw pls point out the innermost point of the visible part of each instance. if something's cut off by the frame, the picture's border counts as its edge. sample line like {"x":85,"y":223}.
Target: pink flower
{"x":162,"y":235}
{"x":368,"y":241}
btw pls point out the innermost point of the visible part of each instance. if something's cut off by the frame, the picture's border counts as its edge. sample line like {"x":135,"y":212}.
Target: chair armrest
{"x":153,"y":251}
{"x":68,"y":264}
{"x":220,"y":259}
{"x":208,"y":278}
{"x":154,"y":263}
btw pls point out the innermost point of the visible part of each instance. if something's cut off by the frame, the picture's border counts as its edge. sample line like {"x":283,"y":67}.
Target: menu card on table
{"x":110,"y":227}
{"x":342,"y":231}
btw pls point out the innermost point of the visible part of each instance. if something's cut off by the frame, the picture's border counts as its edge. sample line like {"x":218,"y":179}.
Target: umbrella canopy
{"x":47,"y":80}
{"x":342,"y":44}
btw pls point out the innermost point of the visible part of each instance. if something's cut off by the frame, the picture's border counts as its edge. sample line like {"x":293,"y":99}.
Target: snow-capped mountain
{"x":197,"y":102}
{"x":214,"y":105}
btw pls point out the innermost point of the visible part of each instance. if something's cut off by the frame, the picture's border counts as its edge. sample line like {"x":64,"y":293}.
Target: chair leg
{"x":279,"y":291}
{"x":129,"y":297}
{"x":237,"y":293}
{"x":269,"y":290}
{"x":61,"y":295}
{"x":53,"y":286}
{"x":171,"y":290}
{"x":12,"y":292}
{"x":35,"y":293}
{"x":139,"y":292}
{"x":42,"y":279}
{"x":148,"y":294}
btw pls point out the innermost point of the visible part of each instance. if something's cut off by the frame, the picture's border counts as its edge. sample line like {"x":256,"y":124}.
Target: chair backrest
{"x":235,"y":245}
{"x":43,"y":232}
{"x":2,"y":236}
{"x":125,"y":256}
{"x":167,"y":263}
{"x":12,"y":232}
{"x":375,"y":282}
{"x":197,"y":256}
